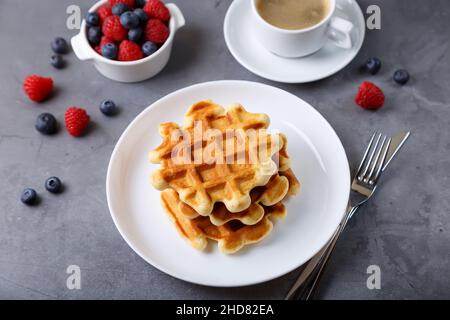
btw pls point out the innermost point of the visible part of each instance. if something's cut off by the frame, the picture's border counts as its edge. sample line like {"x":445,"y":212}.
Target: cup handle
{"x":339,"y":32}
{"x":80,"y":47}
{"x":177,"y":15}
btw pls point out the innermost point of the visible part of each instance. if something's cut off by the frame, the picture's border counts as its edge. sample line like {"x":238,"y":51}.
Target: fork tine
{"x":374,"y":163}
{"x":381,"y":163}
{"x":367,"y":166}
{"x":365,"y":155}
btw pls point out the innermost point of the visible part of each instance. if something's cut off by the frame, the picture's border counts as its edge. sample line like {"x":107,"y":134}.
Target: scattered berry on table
{"x":119,"y":8}
{"x":113,"y":29}
{"x":369,"y":96}
{"x":37,"y":88}
{"x":57,"y":61}
{"x":373,"y":65}
{"x":59,"y":45}
{"x":139,"y":3}
{"x":143,"y":18}
{"x":135,"y":34}
{"x":28,"y":196}
{"x":148,"y":48}
{"x":129,"y":3}
{"x":129,"y":51}
{"x":401,"y":77}
{"x":129,"y":20}
{"x":109,"y":51}
{"x":76,"y":120}
{"x":53,"y":185}
{"x":104,"y":12}
{"x":156,"y":31}
{"x":108,"y":108}
{"x":157,"y":9}
{"x":92,"y":19}
{"x":94,"y":35}
{"x":46,"y":124}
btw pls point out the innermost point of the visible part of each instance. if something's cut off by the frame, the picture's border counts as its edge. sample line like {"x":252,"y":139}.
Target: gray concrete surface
{"x":405,"y":230}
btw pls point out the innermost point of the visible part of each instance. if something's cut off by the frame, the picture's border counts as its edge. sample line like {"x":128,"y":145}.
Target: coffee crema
{"x":293,"y":14}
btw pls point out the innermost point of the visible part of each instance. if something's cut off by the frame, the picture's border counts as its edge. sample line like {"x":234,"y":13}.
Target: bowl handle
{"x":80,"y":47}
{"x":177,"y":15}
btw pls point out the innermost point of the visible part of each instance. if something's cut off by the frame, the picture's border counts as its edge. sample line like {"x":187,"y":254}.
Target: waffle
{"x":201,"y":184}
{"x":279,"y":186}
{"x":233,"y":234}
{"x":209,"y":197}
{"x":231,"y":237}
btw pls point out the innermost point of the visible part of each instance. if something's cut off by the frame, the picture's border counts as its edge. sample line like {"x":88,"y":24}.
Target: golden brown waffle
{"x":201,"y":184}
{"x":276,"y":190}
{"x":282,"y":158}
{"x":232,"y":235}
{"x":282,"y":183}
{"x":211,"y":116}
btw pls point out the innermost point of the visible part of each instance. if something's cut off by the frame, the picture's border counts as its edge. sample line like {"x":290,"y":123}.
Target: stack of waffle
{"x":223,"y":176}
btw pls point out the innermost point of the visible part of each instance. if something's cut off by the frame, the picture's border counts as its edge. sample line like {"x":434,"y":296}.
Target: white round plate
{"x":253,"y":56}
{"x":318,"y":159}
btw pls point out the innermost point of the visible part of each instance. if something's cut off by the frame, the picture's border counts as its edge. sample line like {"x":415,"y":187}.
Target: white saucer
{"x":318,"y":159}
{"x":253,"y":56}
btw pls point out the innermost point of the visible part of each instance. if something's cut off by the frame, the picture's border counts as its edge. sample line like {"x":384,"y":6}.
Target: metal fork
{"x":363,"y":187}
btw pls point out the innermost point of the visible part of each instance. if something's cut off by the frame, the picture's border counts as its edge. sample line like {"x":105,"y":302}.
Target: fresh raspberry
{"x":129,"y":51}
{"x":113,"y":29}
{"x":156,"y":31}
{"x":369,"y":96}
{"x":37,"y":88}
{"x":157,"y":9}
{"x":103,"y":41}
{"x":104,"y":12}
{"x":129,"y":3}
{"x":77,"y":120}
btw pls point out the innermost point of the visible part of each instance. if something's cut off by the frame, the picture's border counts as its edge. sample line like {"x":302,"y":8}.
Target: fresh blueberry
{"x":135,"y":34}
{"x":149,"y":48}
{"x":373,"y":65}
{"x":94,"y":35}
{"x":401,"y":77}
{"x":92,"y":19}
{"x":28,"y":196}
{"x":108,"y":108}
{"x":129,"y":20}
{"x":109,"y":51}
{"x":53,"y":185}
{"x":57,"y":61}
{"x":59,"y":45}
{"x":46,"y":124}
{"x":139,"y":3}
{"x":119,"y":8}
{"x":143,"y":17}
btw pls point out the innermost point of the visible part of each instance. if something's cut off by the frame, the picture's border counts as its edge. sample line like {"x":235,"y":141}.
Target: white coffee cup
{"x":302,"y":42}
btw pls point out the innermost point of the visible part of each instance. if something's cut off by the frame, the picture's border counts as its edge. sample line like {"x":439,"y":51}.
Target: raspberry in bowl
{"x":128,"y":40}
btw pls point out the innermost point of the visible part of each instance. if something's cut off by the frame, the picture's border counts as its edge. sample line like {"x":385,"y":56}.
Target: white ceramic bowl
{"x":129,"y":71}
